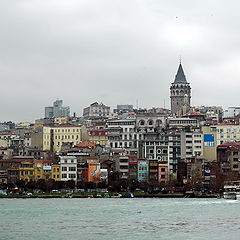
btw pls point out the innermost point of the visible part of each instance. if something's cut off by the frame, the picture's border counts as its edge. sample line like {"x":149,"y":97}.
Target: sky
{"x":115,"y":52}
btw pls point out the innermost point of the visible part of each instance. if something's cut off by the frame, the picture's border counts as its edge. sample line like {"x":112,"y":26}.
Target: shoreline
{"x":94,"y":196}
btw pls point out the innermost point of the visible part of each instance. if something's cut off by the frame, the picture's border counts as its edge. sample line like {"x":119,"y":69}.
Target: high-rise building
{"x":57,"y":110}
{"x":180,"y":91}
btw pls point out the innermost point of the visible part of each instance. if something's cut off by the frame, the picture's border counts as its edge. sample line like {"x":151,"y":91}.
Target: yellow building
{"x":42,"y":169}
{"x":52,"y":138}
{"x":218,"y":134}
{"x":61,"y":120}
{"x":56,"y":172}
{"x":26,"y":171}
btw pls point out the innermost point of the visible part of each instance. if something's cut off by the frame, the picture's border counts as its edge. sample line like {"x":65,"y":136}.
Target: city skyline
{"x":115,"y":53}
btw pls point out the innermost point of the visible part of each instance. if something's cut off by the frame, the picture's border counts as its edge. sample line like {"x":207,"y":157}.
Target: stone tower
{"x":180,"y":92}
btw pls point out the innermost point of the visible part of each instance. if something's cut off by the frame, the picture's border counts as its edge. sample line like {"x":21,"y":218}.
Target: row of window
{"x":66,"y":137}
{"x":70,"y":175}
{"x":55,"y":176}
{"x":70,"y":169}
{"x":67,"y":130}
{"x":121,"y":123}
{"x":159,"y":151}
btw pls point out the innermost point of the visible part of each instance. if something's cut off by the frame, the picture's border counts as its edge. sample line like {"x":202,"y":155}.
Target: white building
{"x":122,"y":134}
{"x":96,"y":110}
{"x":231,"y":112}
{"x":191,"y":144}
{"x":68,"y":166}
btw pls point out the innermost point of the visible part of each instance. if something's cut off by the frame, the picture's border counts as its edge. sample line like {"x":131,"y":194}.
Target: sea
{"x":136,"y":218}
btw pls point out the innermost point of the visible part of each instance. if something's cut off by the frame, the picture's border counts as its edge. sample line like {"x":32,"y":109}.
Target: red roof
{"x":197,"y":113}
{"x":98,"y":132}
{"x":230,"y":144}
{"x":16,"y":160}
{"x":86,"y":144}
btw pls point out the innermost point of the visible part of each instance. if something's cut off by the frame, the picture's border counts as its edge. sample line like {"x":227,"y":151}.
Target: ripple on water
{"x":119,"y":219}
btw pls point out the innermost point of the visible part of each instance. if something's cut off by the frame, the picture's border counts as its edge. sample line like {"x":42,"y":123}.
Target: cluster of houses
{"x":195,"y":146}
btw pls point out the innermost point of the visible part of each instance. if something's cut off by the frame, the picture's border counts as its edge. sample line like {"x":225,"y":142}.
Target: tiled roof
{"x":85,"y":144}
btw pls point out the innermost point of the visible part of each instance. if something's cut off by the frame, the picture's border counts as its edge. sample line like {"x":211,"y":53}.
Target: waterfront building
{"x":42,"y":169}
{"x":3,"y":176}
{"x":103,"y":175}
{"x":143,"y":172}
{"x":56,"y":172}
{"x":26,"y":171}
{"x":228,"y":155}
{"x":68,"y":168}
{"x":57,"y":110}
{"x":153,"y":171}
{"x":11,"y":166}
{"x":94,"y":171}
{"x":180,"y":94}
{"x":122,"y":167}
{"x":174,"y":144}
{"x":163,"y":175}
{"x":132,"y":168}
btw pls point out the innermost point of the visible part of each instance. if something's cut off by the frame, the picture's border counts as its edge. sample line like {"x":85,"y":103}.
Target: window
{"x":72,"y":175}
{"x":64,"y":168}
{"x":150,"y":122}
{"x":64,"y":175}
{"x":159,"y":151}
{"x":164,"y":151}
{"x":72,"y":169}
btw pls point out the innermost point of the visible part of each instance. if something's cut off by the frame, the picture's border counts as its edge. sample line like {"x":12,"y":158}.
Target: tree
{"x":21,"y":184}
{"x":70,"y":184}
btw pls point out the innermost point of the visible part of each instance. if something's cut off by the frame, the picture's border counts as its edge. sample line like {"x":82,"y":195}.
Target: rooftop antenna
{"x":137,"y":104}
{"x":164,"y":103}
{"x":180,"y":59}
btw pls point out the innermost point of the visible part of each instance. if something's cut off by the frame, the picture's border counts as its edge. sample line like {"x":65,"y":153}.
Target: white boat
{"x":232,"y":191}
{"x":116,"y":195}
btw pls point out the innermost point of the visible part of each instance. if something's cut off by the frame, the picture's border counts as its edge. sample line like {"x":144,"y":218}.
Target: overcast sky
{"x":115,"y":52}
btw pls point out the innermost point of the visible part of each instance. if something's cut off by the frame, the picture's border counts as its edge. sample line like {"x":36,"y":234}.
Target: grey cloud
{"x":115,"y":52}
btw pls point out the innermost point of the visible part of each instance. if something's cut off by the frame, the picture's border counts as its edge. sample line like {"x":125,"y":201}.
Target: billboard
{"x":94,"y":172}
{"x":48,"y":168}
{"x":209,"y":140}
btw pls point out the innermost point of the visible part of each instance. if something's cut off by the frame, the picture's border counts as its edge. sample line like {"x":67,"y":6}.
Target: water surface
{"x":90,"y":219}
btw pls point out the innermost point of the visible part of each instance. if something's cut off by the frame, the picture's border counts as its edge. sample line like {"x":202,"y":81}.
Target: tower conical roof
{"x":180,"y":76}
